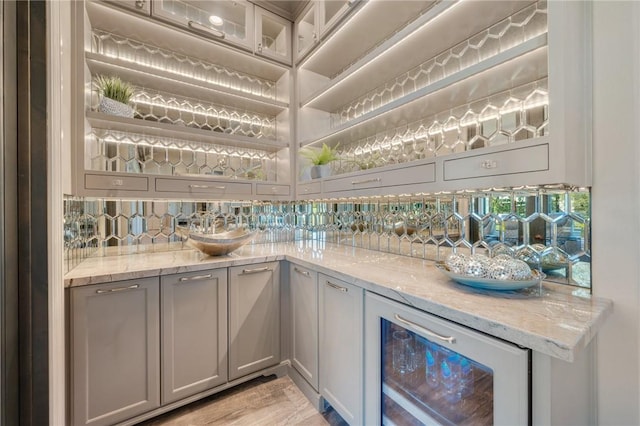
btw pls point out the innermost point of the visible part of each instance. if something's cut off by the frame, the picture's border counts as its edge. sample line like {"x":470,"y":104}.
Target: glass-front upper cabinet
{"x":273,"y":36}
{"x":224,"y":20}
{"x":140,"y":6}
{"x":306,"y":30}
{"x":332,"y":11}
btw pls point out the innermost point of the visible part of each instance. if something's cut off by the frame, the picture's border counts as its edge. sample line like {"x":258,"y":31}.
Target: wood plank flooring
{"x":262,"y":401}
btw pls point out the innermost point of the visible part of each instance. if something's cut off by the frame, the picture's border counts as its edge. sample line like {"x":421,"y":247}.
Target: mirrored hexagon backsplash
{"x":547,"y":227}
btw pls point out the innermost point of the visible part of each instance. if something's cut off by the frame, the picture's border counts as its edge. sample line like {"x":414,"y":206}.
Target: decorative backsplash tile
{"x":548,"y":227}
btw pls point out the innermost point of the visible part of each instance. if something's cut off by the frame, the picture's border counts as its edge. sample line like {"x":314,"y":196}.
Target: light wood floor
{"x":263,"y":401}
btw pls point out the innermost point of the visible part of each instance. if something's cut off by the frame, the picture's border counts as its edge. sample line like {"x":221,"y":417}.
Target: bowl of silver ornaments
{"x":498,"y":273}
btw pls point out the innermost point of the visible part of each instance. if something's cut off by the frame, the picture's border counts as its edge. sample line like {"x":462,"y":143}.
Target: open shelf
{"x":517,"y":66}
{"x":407,"y":47}
{"x":148,"y":30}
{"x":165,"y":81}
{"x":341,"y":56}
{"x":346,"y":44}
{"x":132,"y":125}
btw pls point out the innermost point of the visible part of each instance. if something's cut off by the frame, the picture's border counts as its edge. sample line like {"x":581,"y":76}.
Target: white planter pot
{"x":321,"y":171}
{"x":109,"y":106}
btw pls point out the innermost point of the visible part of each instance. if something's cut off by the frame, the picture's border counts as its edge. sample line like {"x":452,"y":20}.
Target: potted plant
{"x":115,"y":95}
{"x":320,"y":159}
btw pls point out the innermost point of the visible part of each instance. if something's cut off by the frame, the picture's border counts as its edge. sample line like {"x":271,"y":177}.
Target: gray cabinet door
{"x":303,"y":283}
{"x":194,"y":333}
{"x":341,"y":355}
{"x":254,"y":318}
{"x":115,"y":351}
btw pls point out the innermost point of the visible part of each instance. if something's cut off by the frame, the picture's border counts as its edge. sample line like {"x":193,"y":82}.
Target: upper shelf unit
{"x":494,"y":54}
{"x":201,"y":111}
{"x":428,"y":37}
{"x":462,"y":79}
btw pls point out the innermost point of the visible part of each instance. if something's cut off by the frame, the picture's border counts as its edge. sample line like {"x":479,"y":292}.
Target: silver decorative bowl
{"x":217,"y":244}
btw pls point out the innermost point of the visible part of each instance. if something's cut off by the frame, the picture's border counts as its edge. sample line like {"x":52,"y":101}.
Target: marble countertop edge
{"x":555,"y":321}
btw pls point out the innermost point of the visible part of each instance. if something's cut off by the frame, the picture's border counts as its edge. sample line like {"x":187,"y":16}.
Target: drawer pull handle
{"x":256,"y":271}
{"x":196,"y":278}
{"x":203,"y":28}
{"x":113,"y":290}
{"x":117,"y":182}
{"x":360,"y":182}
{"x":421,"y":329}
{"x":337,"y":287}
{"x":300,"y":271}
{"x":193,"y":185}
{"x":489,"y":164}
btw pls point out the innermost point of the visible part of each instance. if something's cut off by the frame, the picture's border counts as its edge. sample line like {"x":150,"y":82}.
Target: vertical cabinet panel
{"x":304,"y":322}
{"x":114,"y":351}
{"x":254,"y":318}
{"x":341,"y":356}
{"x":194,"y":333}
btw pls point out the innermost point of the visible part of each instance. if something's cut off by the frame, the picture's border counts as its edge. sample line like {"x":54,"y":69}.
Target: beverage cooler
{"x":421,"y":369}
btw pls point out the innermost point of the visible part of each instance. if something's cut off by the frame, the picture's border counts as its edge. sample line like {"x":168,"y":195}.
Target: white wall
{"x":615,"y":206}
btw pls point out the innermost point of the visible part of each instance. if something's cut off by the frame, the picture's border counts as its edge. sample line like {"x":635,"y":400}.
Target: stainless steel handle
{"x":203,"y":28}
{"x":300,"y":271}
{"x":255,"y":271}
{"x":337,"y":287}
{"x":421,"y":329}
{"x":196,"y":278}
{"x":113,"y":290}
{"x":140,"y":3}
{"x":193,"y":185}
{"x":360,"y":182}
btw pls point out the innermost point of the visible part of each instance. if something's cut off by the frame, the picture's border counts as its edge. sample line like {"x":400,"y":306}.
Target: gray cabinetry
{"x":114,"y":351}
{"x":303,"y":283}
{"x":341,"y":331}
{"x":194,"y":333}
{"x":254,"y":318}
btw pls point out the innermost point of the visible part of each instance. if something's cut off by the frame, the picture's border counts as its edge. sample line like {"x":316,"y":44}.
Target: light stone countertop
{"x":552,"y":320}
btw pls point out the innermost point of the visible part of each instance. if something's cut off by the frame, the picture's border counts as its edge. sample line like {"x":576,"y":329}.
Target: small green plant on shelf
{"x":115,"y":95}
{"x":320,"y":159}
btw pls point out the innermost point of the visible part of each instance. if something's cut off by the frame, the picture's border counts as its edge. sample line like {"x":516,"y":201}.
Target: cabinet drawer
{"x":405,"y":176}
{"x":121,"y":183}
{"x":518,"y":160}
{"x":262,"y":189}
{"x":309,"y":188}
{"x":202,"y":187}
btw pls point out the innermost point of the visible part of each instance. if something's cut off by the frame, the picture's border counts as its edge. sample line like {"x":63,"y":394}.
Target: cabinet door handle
{"x":196,"y":278}
{"x":260,"y":47}
{"x":337,"y":287}
{"x":360,"y":182}
{"x":421,"y":329}
{"x":113,"y":290}
{"x":140,"y":3}
{"x":256,"y":271}
{"x":193,"y":185}
{"x":300,"y":271}
{"x":203,"y":28}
